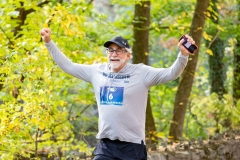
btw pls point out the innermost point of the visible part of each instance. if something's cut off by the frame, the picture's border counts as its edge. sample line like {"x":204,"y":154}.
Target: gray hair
{"x":129,"y":50}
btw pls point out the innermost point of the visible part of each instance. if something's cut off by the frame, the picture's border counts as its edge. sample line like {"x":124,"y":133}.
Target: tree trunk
{"x":140,"y":55}
{"x":236,"y":72}
{"x":23,"y":13}
{"x":141,"y":32}
{"x":186,"y":80}
{"x":217,"y":71}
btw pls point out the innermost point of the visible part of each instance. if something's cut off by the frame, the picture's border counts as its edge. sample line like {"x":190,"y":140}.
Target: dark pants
{"x":117,"y":150}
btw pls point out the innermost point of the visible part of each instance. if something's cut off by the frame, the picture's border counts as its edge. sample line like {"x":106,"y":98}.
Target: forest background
{"x":44,"y":110}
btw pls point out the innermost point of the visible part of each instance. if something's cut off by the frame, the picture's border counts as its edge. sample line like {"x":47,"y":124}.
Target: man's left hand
{"x":182,"y":49}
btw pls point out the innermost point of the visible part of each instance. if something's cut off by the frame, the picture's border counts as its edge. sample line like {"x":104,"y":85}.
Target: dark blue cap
{"x":120,"y":41}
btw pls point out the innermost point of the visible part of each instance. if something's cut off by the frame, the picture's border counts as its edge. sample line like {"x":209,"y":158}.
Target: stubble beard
{"x":117,"y":65}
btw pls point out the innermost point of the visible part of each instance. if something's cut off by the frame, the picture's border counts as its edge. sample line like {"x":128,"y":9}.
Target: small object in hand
{"x":190,"y":47}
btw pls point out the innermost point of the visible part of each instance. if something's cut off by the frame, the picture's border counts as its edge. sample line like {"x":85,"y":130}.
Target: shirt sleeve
{"x":80,"y":71}
{"x":153,"y":76}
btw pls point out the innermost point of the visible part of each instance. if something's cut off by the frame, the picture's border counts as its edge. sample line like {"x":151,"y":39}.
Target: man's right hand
{"x":45,"y":33}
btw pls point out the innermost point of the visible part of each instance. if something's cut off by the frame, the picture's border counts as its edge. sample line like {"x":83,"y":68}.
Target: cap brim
{"x":108,"y":43}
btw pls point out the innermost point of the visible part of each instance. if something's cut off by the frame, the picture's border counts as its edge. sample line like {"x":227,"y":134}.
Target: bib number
{"x":111,"y":95}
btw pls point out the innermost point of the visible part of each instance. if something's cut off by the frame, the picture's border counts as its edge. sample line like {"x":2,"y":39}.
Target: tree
{"x":141,"y":23}
{"x":217,"y":69}
{"x":236,"y":75}
{"x":43,"y":110}
{"x":39,"y":112}
{"x":186,"y":79}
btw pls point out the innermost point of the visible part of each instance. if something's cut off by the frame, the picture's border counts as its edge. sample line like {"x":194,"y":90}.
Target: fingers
{"x":45,"y":31}
{"x":190,"y":39}
{"x":180,"y":42}
{"x":184,"y":46}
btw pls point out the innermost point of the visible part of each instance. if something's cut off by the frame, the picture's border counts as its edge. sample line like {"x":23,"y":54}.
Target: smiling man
{"x":119,"y":52}
{"x":121,"y":91}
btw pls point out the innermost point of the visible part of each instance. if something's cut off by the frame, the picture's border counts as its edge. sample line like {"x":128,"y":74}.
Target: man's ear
{"x":129,"y":56}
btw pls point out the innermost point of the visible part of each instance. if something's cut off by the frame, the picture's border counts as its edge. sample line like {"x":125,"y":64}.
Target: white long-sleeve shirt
{"x":121,"y":97}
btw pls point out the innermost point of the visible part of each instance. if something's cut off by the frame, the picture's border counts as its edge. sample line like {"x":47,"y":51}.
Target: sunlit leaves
{"x":212,"y":113}
{"x":207,"y":36}
{"x":50,"y":102}
{"x":40,"y":110}
{"x":209,"y":51}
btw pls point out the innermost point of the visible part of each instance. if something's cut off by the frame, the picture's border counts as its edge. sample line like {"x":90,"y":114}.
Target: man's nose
{"x":114,"y":53}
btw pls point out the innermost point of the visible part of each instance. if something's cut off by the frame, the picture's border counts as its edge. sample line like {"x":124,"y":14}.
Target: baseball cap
{"x":120,"y":41}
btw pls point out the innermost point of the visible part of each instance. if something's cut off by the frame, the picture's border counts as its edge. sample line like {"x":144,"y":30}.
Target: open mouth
{"x":115,"y":60}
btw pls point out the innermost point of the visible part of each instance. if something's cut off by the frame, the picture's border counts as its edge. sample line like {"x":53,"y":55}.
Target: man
{"x":121,"y":91}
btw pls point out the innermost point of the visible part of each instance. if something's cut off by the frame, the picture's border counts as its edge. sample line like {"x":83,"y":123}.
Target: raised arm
{"x":80,"y":71}
{"x":153,"y":76}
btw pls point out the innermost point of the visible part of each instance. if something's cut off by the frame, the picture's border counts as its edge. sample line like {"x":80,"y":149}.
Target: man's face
{"x":117,"y":57}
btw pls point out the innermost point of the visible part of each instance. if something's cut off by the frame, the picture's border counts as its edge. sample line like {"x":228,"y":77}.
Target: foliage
{"x":39,"y":116}
{"x":162,"y":55}
{"x":210,"y":114}
{"x":44,"y":109}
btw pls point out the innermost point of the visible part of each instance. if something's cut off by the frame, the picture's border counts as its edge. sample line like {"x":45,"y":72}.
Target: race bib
{"x":111,"y":95}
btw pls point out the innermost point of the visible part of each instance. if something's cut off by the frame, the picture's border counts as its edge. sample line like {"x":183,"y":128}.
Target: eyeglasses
{"x":118,"y":51}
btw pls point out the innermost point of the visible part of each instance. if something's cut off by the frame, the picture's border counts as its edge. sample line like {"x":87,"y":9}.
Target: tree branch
{"x":214,"y":38}
{"x":78,"y":115}
{"x":6,"y":36}
{"x":36,"y":143}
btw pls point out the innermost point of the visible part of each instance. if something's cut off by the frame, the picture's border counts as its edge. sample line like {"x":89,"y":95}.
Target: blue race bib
{"x":111,"y":95}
